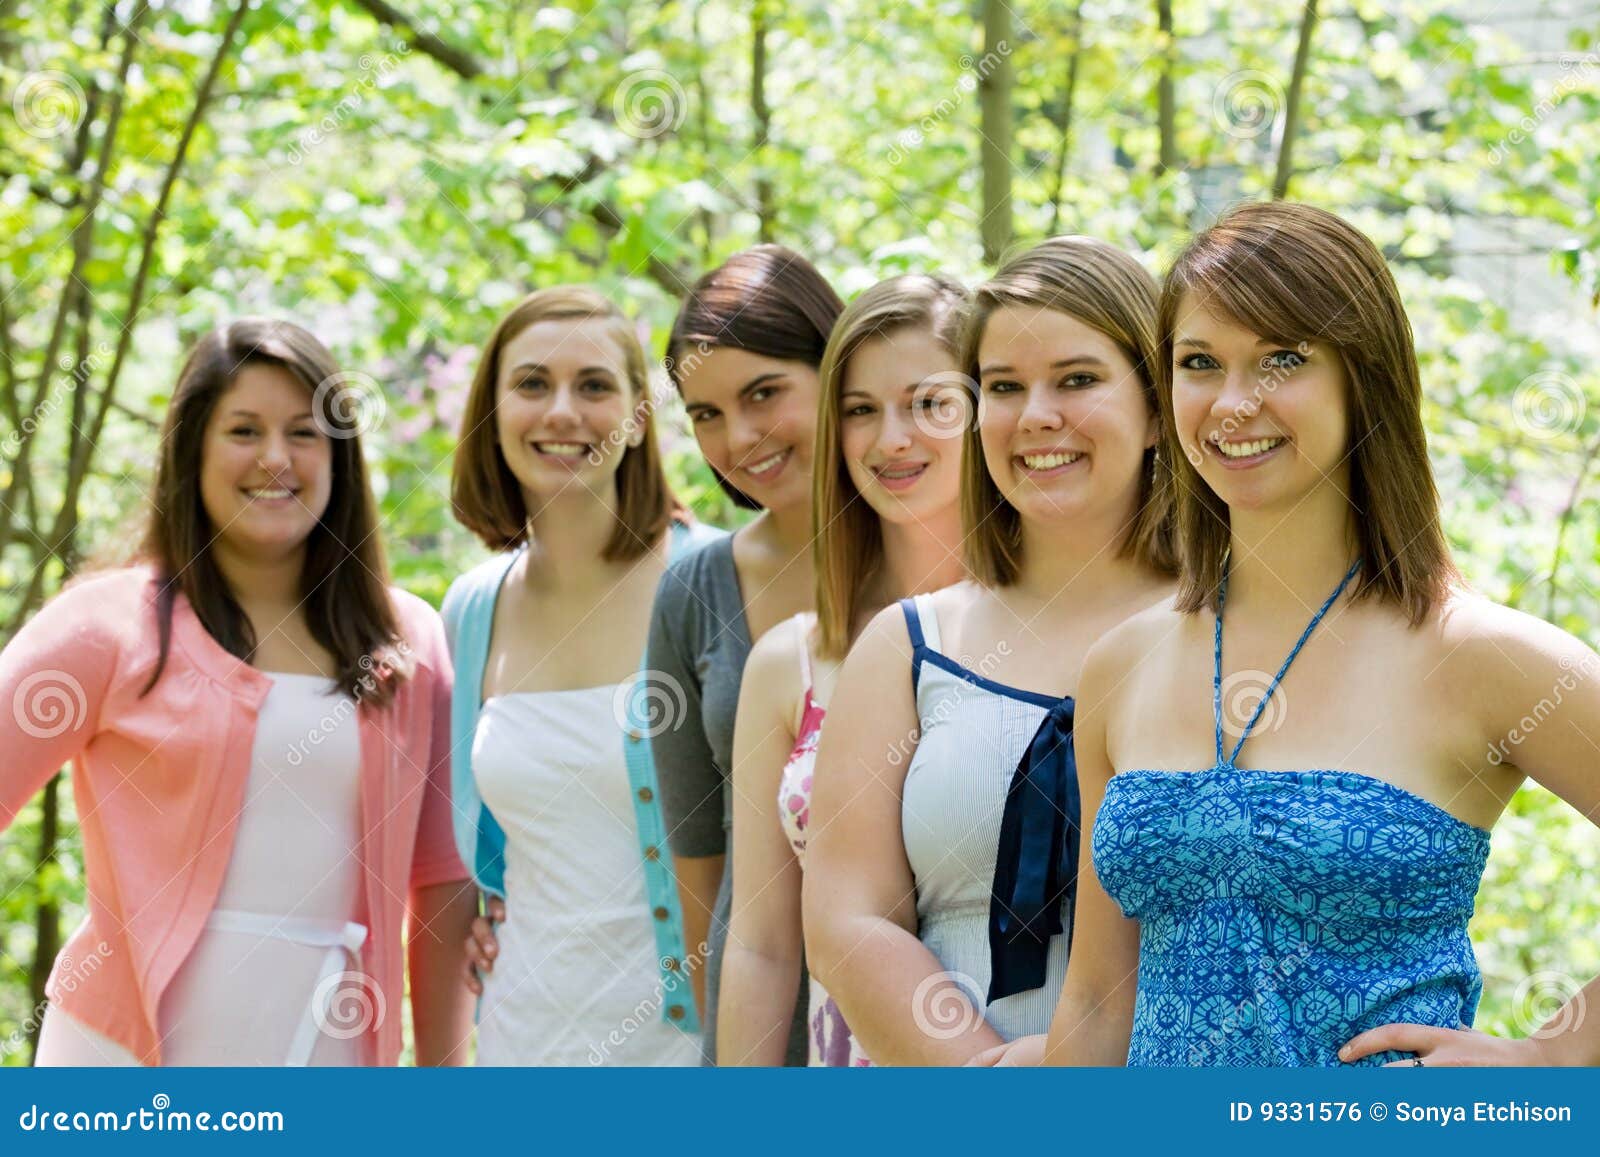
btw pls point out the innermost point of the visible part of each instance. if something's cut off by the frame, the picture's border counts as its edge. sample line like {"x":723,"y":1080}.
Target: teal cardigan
{"x":469,"y":620}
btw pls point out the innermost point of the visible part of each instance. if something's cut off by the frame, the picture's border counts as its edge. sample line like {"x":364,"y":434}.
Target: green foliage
{"x":345,"y":178}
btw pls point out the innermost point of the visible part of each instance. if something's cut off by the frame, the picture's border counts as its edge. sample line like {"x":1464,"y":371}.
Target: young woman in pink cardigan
{"x":258,"y":728}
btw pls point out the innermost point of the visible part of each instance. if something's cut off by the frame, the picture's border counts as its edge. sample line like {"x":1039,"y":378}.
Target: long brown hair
{"x":344,"y":583}
{"x":1107,"y":290}
{"x":847,"y":536}
{"x":485,"y":495}
{"x":767,"y":300}
{"x":1293,"y":272}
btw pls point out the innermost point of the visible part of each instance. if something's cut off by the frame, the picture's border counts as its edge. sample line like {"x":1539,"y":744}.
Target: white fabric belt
{"x":343,"y":941}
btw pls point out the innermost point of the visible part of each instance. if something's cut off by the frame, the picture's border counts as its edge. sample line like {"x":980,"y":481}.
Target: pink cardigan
{"x":159,"y":782}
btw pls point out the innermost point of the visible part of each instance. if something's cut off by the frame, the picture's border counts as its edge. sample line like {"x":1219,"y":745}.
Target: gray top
{"x":699,"y":642}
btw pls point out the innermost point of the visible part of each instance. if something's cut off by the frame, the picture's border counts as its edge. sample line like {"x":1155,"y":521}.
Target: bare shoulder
{"x":772,"y":672}
{"x":1143,"y":637}
{"x":1501,"y":651}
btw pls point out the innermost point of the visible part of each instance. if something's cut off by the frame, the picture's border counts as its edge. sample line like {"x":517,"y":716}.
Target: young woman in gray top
{"x":744,"y":354}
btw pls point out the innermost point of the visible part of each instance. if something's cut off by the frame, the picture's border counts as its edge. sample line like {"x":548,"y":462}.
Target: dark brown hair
{"x":847,"y":538}
{"x":485,"y":495}
{"x":1295,"y":273}
{"x":1108,"y":290}
{"x":345,"y":580}
{"x":767,"y":300}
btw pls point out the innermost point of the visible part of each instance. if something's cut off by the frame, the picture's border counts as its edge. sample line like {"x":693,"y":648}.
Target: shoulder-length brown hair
{"x":1295,"y":273}
{"x":486,"y":496}
{"x":345,"y":579}
{"x":1108,"y":290}
{"x":847,"y":536}
{"x":766,"y":300}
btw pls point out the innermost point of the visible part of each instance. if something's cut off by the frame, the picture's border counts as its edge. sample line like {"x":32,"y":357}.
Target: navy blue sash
{"x":1036,"y":867}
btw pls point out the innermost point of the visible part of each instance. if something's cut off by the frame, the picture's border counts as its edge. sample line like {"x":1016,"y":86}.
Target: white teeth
{"x":766,"y":464}
{"x":277,"y":493}
{"x":1248,"y":449}
{"x":901,"y":471}
{"x":1048,"y":461}
{"x":565,"y":449}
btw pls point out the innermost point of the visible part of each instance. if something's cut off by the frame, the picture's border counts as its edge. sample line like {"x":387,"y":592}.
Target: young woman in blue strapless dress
{"x":1293,"y":770}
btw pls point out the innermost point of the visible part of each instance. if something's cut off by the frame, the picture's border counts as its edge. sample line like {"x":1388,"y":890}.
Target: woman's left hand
{"x":1445,"y":1047}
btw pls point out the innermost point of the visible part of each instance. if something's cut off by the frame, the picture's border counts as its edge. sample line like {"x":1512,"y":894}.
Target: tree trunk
{"x":67,"y":516}
{"x":765,"y":210}
{"x":1074,"y":54}
{"x":994,"y":95}
{"x":1291,"y":109}
{"x":82,"y":239}
{"x":1166,"y":104}
{"x":702,"y":121}
{"x":47,"y":917}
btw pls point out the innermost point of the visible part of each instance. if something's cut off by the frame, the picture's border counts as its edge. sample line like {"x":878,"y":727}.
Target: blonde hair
{"x":1108,"y":290}
{"x":847,"y":539}
{"x":486,"y":497}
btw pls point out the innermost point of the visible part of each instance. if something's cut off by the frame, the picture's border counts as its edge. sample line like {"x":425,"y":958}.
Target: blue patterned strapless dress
{"x":1283,"y":912}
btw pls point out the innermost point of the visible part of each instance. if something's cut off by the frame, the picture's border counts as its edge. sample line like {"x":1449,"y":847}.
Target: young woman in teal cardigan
{"x":553,"y":787}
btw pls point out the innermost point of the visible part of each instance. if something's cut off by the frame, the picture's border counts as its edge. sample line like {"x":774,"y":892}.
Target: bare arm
{"x":761,"y":963}
{"x":859,"y":893}
{"x":1093,"y":1021}
{"x":1524,"y":671}
{"x":699,"y":880}
{"x":441,"y":1008}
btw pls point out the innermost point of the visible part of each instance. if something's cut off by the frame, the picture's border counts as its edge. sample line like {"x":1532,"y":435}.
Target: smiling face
{"x":563,"y":407}
{"x":901,"y":413}
{"x":1265,"y":421}
{"x":266,"y":469}
{"x":1064,"y":423}
{"x":755,"y":419}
